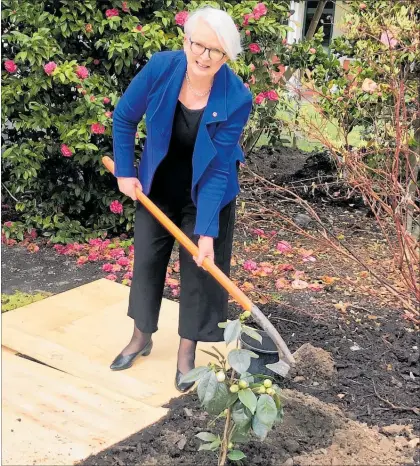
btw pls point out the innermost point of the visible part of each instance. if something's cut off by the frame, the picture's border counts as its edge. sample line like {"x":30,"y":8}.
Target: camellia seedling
{"x":251,"y":404}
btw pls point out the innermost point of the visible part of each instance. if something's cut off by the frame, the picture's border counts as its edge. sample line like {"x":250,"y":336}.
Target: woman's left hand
{"x":206,"y":249}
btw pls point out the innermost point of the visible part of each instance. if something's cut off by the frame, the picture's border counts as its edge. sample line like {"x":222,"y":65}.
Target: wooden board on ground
{"x":90,"y":323}
{"x":52,"y":418}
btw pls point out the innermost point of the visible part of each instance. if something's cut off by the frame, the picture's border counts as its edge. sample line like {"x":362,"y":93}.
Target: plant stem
{"x":225,"y":441}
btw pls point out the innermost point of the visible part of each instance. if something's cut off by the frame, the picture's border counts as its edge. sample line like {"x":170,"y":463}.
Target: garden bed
{"x":374,"y":348}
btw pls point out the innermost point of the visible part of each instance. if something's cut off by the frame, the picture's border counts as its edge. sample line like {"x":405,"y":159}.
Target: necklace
{"x":198,"y":94}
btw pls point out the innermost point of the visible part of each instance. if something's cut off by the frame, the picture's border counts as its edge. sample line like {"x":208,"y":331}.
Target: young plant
{"x":250,"y":404}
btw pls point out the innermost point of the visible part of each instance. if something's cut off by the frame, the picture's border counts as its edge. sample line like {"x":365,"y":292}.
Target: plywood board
{"x":52,"y":418}
{"x":96,"y":330}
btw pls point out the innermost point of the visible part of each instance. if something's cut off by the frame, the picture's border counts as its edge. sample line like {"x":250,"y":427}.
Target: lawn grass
{"x":306,"y":143}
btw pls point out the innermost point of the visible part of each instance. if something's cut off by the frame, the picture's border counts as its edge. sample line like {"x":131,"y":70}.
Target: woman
{"x":196,"y":109}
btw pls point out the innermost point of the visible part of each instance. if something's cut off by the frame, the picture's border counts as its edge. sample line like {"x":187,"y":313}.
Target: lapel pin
{"x":215,"y":114}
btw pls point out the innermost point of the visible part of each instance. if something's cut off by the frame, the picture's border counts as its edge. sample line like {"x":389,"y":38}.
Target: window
{"x":327,"y":19}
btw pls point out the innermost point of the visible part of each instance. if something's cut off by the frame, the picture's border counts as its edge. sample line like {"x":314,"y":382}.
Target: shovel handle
{"x":183,"y":239}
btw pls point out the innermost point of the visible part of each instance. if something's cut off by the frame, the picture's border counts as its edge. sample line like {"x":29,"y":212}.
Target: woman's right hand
{"x":128,"y":186}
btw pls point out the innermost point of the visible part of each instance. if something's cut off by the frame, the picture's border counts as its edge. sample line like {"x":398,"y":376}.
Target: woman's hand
{"x":128,"y":186}
{"x":205,"y":248}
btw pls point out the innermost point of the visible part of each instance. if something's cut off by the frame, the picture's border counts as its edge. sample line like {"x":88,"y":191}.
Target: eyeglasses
{"x":199,"y":49}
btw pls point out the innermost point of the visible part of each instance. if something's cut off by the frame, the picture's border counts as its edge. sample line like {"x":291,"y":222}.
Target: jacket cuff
{"x":125,"y":172}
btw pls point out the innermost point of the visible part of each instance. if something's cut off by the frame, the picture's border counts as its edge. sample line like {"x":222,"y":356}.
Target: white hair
{"x":222,"y":24}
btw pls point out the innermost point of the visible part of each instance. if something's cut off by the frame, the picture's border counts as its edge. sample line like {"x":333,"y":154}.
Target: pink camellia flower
{"x":93,"y":256}
{"x":175,"y":292}
{"x":181,"y":18}
{"x":92,"y":98}
{"x":82,"y":72}
{"x":96,"y":61}
{"x":82,"y":260}
{"x":259,"y":99}
{"x":254,"y":48}
{"x":106,"y":100}
{"x":111,"y":277}
{"x":248,"y":32}
{"x":95,"y":242}
{"x":116,"y":268}
{"x":50,"y":67}
{"x":123,"y":261}
{"x":260,"y":10}
{"x":252,"y":79}
{"x":117,"y":252}
{"x":284,"y":246}
{"x":247,"y":17}
{"x":112,"y":12}
{"x":108,"y":114}
{"x":272,"y":95}
{"x":97,"y":128}
{"x":125,"y":8}
{"x":10,"y":66}
{"x":66,"y":151}
{"x":250,"y":265}
{"x":116,"y":207}
{"x":107,"y":267}
{"x":259,"y":232}
{"x":387,"y":38}
{"x":139,"y":27}
{"x":252,"y":67}
{"x":312,"y":50}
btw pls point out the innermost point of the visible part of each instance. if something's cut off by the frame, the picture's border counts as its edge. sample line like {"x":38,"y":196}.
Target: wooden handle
{"x":183,"y":239}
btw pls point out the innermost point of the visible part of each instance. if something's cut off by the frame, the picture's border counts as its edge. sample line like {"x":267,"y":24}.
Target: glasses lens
{"x":197,"y":49}
{"x":216,"y":55}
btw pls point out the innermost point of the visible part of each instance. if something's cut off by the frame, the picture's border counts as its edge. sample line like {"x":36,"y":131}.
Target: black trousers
{"x":203,"y":302}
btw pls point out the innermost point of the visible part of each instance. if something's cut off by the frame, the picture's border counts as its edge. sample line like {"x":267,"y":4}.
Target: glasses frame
{"x":206,"y":48}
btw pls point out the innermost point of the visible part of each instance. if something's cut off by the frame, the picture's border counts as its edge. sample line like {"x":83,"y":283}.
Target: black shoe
{"x":124,"y":362}
{"x":182,"y":387}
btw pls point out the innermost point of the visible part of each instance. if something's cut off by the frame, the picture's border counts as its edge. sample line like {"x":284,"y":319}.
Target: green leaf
{"x":210,"y":446}
{"x":207,"y":386}
{"x":222,"y":324}
{"x":232,"y":331}
{"x":194,"y":374}
{"x":240,"y":359}
{"x":260,"y":430}
{"x":252,"y":333}
{"x":266,"y":410}
{"x":241,"y":415}
{"x":248,"y":398}
{"x":206,"y":436}
{"x":219,"y":401}
{"x":236,"y":455}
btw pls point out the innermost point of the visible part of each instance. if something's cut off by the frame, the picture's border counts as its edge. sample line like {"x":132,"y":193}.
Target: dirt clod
{"x":314,"y":364}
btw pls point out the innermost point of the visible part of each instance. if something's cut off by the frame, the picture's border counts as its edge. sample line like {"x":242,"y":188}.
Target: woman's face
{"x":208,"y":63}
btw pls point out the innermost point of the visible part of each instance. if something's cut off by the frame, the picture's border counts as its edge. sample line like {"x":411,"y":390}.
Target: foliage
{"x":19,"y":299}
{"x":377,"y":91}
{"x":251,"y":404}
{"x":65,"y":66}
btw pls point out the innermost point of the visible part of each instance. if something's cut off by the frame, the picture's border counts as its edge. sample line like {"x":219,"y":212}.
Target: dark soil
{"x":375,"y":351}
{"x":43,"y":271}
{"x":172,"y":440}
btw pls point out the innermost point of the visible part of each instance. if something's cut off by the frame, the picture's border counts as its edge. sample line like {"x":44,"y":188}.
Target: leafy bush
{"x":66,"y":64}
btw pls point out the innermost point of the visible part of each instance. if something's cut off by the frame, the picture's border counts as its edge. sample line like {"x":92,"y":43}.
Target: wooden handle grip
{"x":183,"y":239}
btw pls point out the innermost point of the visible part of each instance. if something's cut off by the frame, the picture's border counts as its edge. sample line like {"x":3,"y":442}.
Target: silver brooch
{"x":215,"y":114}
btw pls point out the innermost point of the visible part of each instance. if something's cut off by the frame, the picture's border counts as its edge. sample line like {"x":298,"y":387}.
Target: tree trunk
{"x":311,"y":31}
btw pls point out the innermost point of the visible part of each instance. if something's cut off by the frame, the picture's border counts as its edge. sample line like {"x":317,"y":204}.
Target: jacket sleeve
{"x":213,"y":185}
{"x":127,"y":115}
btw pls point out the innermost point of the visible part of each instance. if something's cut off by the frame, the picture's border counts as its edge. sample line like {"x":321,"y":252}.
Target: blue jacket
{"x":154,"y":92}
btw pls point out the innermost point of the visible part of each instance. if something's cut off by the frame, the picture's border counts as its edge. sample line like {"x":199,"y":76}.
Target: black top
{"x":173,"y":177}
